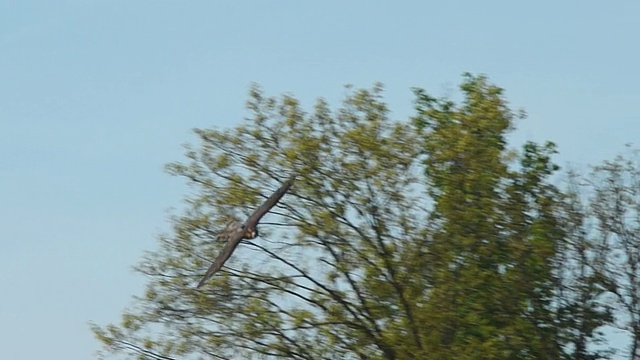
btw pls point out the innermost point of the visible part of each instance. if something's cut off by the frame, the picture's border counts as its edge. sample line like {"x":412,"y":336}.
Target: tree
{"x":331,"y":278}
{"x":616,"y":208}
{"x":399,"y":240}
{"x":495,"y":236}
{"x":583,"y":306}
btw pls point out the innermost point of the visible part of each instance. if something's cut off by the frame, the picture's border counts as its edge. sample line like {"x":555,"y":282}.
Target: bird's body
{"x":235,"y":231}
{"x":231,"y":226}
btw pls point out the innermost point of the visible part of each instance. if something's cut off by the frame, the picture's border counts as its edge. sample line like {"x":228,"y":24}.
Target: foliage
{"x":496,"y":232}
{"x":400,"y":240}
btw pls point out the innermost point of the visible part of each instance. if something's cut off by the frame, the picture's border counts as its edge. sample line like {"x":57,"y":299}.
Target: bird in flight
{"x":235,"y":231}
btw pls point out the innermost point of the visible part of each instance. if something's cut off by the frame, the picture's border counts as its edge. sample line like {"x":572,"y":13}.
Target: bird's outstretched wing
{"x":236,"y":235}
{"x":233,"y":241}
{"x":253,"y":220}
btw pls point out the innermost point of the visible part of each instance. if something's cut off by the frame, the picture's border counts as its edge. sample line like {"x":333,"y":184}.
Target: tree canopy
{"x":428,"y":238}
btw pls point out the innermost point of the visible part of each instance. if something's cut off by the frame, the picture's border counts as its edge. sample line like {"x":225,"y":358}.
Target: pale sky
{"x":95,"y":97}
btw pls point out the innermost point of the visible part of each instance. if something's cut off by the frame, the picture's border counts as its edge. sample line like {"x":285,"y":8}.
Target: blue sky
{"x":96,"y":96}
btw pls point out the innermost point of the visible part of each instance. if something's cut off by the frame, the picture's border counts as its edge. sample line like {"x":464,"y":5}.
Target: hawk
{"x":235,"y":231}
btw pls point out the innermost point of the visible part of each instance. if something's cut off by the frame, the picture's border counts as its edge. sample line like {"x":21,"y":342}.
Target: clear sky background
{"x":96,"y":96}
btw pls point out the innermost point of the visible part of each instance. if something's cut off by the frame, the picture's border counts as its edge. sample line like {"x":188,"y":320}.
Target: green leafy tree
{"x":495,"y":234}
{"x":333,"y":275}
{"x":399,"y":240}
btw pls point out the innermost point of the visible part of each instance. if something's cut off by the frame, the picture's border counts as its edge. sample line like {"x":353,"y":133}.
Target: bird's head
{"x":251,"y":233}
